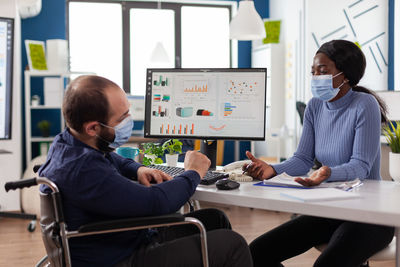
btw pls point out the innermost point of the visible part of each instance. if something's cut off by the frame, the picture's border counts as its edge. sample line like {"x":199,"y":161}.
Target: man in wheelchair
{"x":96,"y":185}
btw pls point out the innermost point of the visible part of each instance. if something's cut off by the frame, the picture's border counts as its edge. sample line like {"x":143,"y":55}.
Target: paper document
{"x":282,"y":179}
{"x":285,"y":180}
{"x":321,"y":194}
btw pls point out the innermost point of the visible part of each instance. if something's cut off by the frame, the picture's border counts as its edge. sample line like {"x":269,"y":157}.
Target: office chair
{"x":55,"y":234}
{"x":300,"y":107}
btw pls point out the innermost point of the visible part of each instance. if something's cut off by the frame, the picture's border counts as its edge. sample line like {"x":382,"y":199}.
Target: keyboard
{"x":210,"y":178}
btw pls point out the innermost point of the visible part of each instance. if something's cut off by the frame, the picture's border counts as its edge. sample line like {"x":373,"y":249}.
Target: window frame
{"x":176,"y":6}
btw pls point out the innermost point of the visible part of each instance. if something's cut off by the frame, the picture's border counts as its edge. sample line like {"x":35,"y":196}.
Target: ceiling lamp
{"x":247,"y":24}
{"x":159,"y":54}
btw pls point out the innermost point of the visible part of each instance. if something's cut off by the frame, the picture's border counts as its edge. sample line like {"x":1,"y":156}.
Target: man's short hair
{"x":85,"y":100}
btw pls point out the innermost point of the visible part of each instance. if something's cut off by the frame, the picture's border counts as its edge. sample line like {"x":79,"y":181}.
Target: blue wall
{"x":49,"y":24}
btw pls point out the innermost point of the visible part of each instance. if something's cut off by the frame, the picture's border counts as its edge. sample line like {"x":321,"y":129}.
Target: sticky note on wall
{"x":273,"y":30}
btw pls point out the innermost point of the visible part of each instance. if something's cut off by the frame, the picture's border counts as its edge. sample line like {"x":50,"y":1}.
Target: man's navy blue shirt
{"x":97,"y":186}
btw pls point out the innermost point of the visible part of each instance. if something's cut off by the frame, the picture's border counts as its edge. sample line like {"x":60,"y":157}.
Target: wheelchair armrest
{"x":132,"y":222}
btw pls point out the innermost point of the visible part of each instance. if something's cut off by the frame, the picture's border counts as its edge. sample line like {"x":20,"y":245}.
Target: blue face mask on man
{"x":122,"y":132}
{"x":322,"y":86}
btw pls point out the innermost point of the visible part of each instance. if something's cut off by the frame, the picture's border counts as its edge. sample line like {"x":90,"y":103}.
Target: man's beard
{"x":104,"y":139}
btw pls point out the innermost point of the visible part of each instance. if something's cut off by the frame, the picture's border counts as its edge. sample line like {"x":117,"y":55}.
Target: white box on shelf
{"x":52,"y":91}
{"x":57,"y":55}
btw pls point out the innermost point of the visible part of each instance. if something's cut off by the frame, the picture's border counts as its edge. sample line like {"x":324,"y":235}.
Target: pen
{"x":354,"y":186}
{"x":247,"y":167}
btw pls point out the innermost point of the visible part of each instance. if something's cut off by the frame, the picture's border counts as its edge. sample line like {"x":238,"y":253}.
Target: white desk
{"x":379,"y":203}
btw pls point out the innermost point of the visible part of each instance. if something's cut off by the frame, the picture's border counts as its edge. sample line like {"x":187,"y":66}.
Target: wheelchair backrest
{"x":50,"y":231}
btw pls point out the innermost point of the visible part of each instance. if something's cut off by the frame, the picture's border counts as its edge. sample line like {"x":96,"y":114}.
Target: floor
{"x":20,"y":248}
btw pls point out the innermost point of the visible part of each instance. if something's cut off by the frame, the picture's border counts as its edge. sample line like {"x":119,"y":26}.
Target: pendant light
{"x":159,"y":54}
{"x":247,"y":24}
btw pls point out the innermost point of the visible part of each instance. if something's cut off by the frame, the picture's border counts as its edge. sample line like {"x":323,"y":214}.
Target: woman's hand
{"x":316,"y":177}
{"x":257,"y":168}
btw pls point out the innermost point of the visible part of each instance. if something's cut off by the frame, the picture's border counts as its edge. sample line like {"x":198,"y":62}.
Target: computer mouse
{"x":227,"y":184}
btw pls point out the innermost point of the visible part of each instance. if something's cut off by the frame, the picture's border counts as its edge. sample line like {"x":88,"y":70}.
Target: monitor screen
{"x":6,"y":69}
{"x":206,"y":103}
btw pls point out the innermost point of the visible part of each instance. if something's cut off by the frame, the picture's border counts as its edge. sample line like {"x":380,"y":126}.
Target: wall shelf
{"x":49,"y":106}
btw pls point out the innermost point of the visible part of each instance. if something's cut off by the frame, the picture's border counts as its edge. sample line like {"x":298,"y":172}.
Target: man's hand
{"x":257,"y":168}
{"x":147,"y":175}
{"x":316,"y":177}
{"x":197,"y":161}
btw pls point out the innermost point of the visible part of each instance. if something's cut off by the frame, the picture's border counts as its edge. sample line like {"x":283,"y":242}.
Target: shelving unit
{"x":29,"y":139}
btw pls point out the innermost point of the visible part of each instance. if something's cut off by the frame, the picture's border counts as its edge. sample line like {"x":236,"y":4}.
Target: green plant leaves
{"x":146,"y":161}
{"x":173,"y":146}
{"x":152,"y":149}
{"x":392,"y":135}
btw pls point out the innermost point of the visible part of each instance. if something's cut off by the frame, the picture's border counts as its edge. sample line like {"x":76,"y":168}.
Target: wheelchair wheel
{"x":32,"y":226}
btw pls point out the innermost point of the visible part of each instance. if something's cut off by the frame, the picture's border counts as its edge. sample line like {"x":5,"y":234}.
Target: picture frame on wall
{"x":35,"y":52}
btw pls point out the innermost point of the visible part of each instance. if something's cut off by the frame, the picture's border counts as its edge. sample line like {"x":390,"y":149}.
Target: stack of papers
{"x":285,"y":180}
{"x":319,"y":194}
{"x":324,"y":191}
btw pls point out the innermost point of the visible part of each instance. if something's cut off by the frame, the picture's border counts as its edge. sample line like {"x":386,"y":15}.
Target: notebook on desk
{"x":320,"y":194}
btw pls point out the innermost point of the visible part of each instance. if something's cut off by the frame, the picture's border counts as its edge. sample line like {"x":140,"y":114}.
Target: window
{"x":159,"y":29}
{"x":205,"y":37}
{"x":95,"y":39}
{"x":116,"y":40}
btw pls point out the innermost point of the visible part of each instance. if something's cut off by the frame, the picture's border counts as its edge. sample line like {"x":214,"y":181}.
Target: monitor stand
{"x":209,"y":148}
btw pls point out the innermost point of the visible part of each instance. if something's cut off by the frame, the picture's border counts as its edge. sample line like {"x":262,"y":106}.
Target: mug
{"x":128,"y":152}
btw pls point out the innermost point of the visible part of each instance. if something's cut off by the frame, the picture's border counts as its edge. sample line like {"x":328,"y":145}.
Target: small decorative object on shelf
{"x":174,"y":148}
{"x":152,"y":153}
{"x":35,"y":101}
{"x":392,"y":134}
{"x":44,"y":127}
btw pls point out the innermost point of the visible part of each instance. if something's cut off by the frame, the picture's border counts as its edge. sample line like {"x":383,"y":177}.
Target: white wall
{"x":10,"y":164}
{"x":365,"y":22}
{"x":292,"y":39}
{"x":397,"y":45}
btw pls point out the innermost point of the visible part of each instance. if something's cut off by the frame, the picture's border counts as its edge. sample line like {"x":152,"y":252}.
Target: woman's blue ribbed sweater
{"x":343,"y":134}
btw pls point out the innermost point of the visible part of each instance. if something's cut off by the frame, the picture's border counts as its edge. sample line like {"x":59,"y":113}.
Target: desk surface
{"x":379,"y":202}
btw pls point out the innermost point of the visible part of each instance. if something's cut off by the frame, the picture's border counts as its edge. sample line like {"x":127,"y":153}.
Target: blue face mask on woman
{"x":122,"y":132}
{"x":322,"y":86}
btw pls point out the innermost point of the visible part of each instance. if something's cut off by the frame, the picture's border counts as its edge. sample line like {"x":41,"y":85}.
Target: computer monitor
{"x":6,"y":75}
{"x":207,"y":104}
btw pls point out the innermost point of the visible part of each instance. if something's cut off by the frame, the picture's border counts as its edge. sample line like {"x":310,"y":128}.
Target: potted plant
{"x":392,"y":134}
{"x":173,"y":148}
{"x":44,"y":127}
{"x":152,"y":153}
